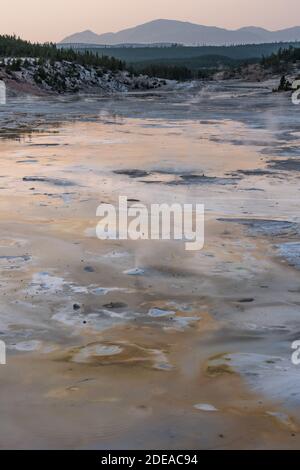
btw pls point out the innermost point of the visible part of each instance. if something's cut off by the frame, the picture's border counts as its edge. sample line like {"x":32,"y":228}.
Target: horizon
{"x":35,"y":24}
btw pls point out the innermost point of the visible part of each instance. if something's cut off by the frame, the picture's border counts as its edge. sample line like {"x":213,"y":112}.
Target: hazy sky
{"x":52,"y":20}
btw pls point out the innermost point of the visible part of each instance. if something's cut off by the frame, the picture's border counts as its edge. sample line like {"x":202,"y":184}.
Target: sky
{"x":40,"y":20}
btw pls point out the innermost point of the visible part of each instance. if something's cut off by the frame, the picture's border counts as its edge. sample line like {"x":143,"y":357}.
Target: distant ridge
{"x":172,"y":31}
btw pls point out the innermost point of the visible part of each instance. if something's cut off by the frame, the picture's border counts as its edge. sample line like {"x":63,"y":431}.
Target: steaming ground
{"x":121,"y":344}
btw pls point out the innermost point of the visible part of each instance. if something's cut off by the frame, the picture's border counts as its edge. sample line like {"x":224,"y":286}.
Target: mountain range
{"x":172,"y":31}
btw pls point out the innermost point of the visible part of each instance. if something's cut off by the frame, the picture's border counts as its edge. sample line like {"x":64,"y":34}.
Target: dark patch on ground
{"x":115,"y":305}
{"x":255,"y":172}
{"x":12,"y":258}
{"x":253,"y":189}
{"x":290,"y":151}
{"x":181,"y":178}
{"x":290,"y":164}
{"x":273,"y":228}
{"x":43,"y":179}
{"x":89,"y":269}
{"x":203,"y":179}
{"x":134,"y":173}
{"x":46,"y":145}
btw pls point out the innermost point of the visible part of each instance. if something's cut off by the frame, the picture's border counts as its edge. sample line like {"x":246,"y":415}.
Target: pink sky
{"x":52,"y":20}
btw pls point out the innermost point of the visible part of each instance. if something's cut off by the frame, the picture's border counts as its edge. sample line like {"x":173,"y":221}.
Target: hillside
{"x":44,"y":68}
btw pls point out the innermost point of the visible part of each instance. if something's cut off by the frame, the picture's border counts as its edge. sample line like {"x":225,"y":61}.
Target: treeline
{"x":282,"y":58}
{"x":12,"y":46}
{"x":133,"y":55}
{"x":166,"y":71}
{"x":172,"y":72}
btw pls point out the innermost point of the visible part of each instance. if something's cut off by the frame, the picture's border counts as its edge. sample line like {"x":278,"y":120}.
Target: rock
{"x":89,"y":269}
{"x":158,"y":312}
{"x":115,"y":305}
{"x":135,"y":272}
{"x":205,"y":407}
